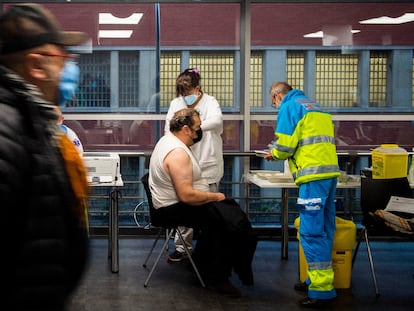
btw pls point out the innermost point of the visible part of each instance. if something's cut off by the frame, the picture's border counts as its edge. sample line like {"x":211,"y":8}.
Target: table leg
{"x":285,"y":224}
{"x":110,"y":228}
{"x":113,"y":230}
{"x":247,"y":198}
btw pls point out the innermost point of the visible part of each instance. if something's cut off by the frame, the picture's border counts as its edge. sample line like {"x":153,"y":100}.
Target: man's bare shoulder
{"x":177,"y":155}
{"x":178,"y":164}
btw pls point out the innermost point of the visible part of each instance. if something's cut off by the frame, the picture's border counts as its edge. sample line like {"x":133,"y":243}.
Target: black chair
{"x":170,"y":230}
{"x":375,"y":195}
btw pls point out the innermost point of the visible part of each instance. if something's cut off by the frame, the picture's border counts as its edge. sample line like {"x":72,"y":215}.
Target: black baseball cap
{"x":25,"y":26}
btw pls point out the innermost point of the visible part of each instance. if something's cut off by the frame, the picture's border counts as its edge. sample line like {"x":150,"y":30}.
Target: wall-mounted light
{"x":115,"y":34}
{"x":386,"y":20}
{"x":319,"y":34}
{"x":109,"y":19}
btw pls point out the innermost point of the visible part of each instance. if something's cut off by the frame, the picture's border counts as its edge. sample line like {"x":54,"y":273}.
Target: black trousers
{"x":225,"y":241}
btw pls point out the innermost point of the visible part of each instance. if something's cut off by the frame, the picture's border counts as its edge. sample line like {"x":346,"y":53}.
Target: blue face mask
{"x":190,"y":99}
{"x":69,"y":80}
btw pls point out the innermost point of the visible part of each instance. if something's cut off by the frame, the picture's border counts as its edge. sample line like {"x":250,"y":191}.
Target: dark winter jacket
{"x":44,"y":247}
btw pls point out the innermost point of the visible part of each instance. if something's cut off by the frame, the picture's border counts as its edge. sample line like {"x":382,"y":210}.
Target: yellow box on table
{"x":389,"y":161}
{"x":344,"y":243}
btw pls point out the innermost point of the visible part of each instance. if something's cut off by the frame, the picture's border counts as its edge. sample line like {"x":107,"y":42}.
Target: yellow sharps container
{"x":389,"y":161}
{"x":344,"y":243}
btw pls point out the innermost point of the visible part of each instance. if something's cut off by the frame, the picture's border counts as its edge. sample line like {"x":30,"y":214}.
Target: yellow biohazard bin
{"x":344,"y":243}
{"x":389,"y":161}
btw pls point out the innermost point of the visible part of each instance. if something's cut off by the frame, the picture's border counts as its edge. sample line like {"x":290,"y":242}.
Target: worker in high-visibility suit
{"x":305,"y":136}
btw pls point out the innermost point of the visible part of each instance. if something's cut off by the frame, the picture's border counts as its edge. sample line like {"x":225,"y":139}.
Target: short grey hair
{"x":280,"y":87}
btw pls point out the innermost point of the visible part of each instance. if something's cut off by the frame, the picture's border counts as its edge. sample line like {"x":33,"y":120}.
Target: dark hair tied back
{"x":187,"y":80}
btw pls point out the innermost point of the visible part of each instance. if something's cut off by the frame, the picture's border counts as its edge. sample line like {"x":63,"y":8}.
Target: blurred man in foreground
{"x":42,"y":178}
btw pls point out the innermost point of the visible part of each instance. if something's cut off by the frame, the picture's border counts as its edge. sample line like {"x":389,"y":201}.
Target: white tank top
{"x":162,"y":189}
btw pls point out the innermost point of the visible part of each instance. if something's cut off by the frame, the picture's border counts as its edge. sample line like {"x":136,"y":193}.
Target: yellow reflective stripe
{"x":321,"y":280}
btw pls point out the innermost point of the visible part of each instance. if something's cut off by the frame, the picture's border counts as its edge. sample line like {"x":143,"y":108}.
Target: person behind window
{"x":43,"y":180}
{"x":305,"y":136}
{"x":209,"y":152}
{"x":181,"y":195}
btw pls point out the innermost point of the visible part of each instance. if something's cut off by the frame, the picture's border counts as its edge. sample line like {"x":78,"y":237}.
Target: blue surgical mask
{"x":69,"y":81}
{"x":190,"y":99}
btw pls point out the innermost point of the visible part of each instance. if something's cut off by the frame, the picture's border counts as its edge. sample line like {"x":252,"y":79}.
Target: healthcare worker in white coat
{"x":209,"y":151}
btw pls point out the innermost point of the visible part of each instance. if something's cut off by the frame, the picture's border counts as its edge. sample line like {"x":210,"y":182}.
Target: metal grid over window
{"x":256,"y":79}
{"x":295,"y":68}
{"x":94,"y":89}
{"x":128,"y":78}
{"x":378,"y":79}
{"x":169,"y":71}
{"x":336,"y":79}
{"x":217,"y":74}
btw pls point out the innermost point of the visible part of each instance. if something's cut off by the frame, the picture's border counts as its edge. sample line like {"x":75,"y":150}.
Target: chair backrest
{"x":375,"y":194}
{"x":154,"y":218}
{"x":145,"y":183}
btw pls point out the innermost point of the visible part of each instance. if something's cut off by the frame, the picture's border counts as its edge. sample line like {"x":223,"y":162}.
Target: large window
{"x":169,"y":71}
{"x":336,"y":79}
{"x":378,"y":79}
{"x":295,"y":69}
{"x":217,"y":74}
{"x":256,"y":80}
{"x":128,"y":79}
{"x":94,"y":88}
{"x":358,"y":67}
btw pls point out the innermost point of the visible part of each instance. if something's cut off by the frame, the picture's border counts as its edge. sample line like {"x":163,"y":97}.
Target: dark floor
{"x":175,"y":287}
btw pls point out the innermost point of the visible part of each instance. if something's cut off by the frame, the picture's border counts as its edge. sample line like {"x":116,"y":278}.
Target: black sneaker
{"x":316,"y":303}
{"x":176,"y":256}
{"x":227,"y":289}
{"x":245,"y":276}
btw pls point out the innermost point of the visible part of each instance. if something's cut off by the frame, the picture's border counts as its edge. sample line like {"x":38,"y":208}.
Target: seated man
{"x":181,"y":196}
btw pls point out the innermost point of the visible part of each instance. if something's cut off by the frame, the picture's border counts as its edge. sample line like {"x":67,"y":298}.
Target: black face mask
{"x":199,"y":136}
